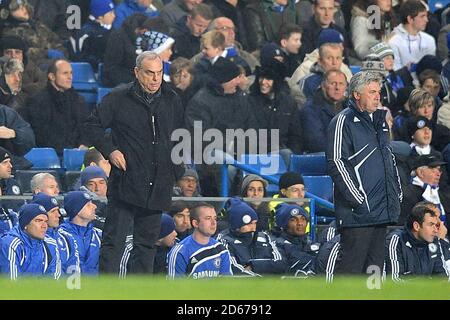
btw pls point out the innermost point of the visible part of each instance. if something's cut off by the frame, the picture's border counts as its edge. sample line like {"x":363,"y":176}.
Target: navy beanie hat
{"x":289,"y":179}
{"x":329,"y":35}
{"x":92,"y":172}
{"x":74,"y":201}
{"x":268,"y":53}
{"x":99,"y":8}
{"x":4,"y":154}
{"x":45,"y":200}
{"x":28,"y":212}
{"x":429,"y":62}
{"x":167,"y":225}
{"x":284,"y":212}
{"x":239,"y":213}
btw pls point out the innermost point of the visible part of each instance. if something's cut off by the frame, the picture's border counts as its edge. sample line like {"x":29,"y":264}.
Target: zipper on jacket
{"x":154,"y":129}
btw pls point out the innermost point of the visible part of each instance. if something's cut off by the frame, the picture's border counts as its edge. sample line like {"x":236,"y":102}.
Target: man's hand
{"x":116,"y":158}
{"x":7,"y":133}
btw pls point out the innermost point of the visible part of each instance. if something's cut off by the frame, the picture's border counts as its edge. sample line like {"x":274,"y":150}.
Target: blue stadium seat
{"x":83,"y":77}
{"x":321,"y":186}
{"x":43,"y":158}
{"x":355,"y":69}
{"x":266,"y":164}
{"x":89,"y":97}
{"x":23,"y":178}
{"x":309,"y":164}
{"x":102,"y":92}
{"x":435,"y":5}
{"x":73,"y":159}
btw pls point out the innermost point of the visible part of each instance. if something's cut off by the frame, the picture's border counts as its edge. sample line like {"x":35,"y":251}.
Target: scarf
{"x":421,"y":150}
{"x":431,"y":194}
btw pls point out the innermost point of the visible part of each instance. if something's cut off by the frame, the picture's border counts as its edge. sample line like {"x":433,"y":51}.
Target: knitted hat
{"x":92,"y":172}
{"x":284,"y":212}
{"x":373,"y":64}
{"x":28,"y":212}
{"x":167,"y":225}
{"x":289,"y":179}
{"x":239,"y":213}
{"x":190,"y":173}
{"x":329,"y":35}
{"x":223,"y":70}
{"x":268,"y":53}
{"x":4,"y":154}
{"x":45,"y":200}
{"x":249,"y":179}
{"x":74,"y":201}
{"x":99,"y":8}
{"x":153,"y":41}
{"x":13,"y":42}
{"x":429,"y":62}
{"x":381,"y":50}
{"x":416,"y":123}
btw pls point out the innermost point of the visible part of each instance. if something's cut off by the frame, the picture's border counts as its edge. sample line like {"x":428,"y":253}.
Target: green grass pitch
{"x":158,"y":288}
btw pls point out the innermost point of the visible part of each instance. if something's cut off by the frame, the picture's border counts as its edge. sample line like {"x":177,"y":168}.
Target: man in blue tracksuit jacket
{"x":252,"y":253}
{"x":67,"y":246}
{"x":81,"y":212}
{"x":199,"y":255}
{"x":367,"y":190}
{"x":25,"y":250}
{"x":416,"y":250}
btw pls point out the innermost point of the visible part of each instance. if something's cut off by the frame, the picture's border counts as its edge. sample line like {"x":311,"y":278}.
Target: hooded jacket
{"x":409,"y":48}
{"x":367,"y":190}
{"x":22,"y":255}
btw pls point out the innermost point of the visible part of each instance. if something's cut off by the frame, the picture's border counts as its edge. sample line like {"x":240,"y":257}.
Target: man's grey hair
{"x":37,"y":182}
{"x":12,"y":66}
{"x":146,"y":55}
{"x":362,"y":79}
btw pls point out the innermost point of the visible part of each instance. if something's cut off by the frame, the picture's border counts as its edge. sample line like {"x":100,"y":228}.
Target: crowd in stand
{"x":282,"y":65}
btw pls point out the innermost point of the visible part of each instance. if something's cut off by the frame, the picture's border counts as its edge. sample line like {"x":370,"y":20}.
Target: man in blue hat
{"x":252,"y":253}
{"x":26,"y":249}
{"x":80,"y":213}
{"x":67,"y":246}
{"x":297,"y":250}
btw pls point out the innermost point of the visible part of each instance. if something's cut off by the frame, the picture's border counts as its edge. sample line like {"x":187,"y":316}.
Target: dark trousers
{"x":361,"y":248}
{"x":123,"y":219}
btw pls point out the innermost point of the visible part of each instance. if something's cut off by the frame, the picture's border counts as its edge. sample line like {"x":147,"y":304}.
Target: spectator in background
{"x":181,"y":213}
{"x":54,"y":15}
{"x":187,"y":185}
{"x":415,"y":250}
{"x":25,"y":250}
{"x":359,"y":154}
{"x":264,"y":18}
{"x":172,"y":12}
{"x":427,"y":173}
{"x":57,"y":113}
{"x":16,"y":136}
{"x":93,"y":157}
{"x":275,"y":109}
{"x":182,"y":77}
{"x":95,"y":182}
{"x":409,"y":41}
{"x":233,"y":47}
{"x":323,"y":18}
{"x":433,"y":63}
{"x":80,"y":213}
{"x":193,"y":256}
{"x":33,"y":78}
{"x":166,"y":241}
{"x":289,"y":40}
{"x":150,"y":8}
{"x":120,"y":55}
{"x":89,"y":43}
{"x":255,"y":187}
{"x":46,"y":183}
{"x":67,"y":246}
{"x":318,"y":112}
{"x":251,"y":254}
{"x":43,"y":43}
{"x":11,"y":93}
{"x":188,"y":30}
